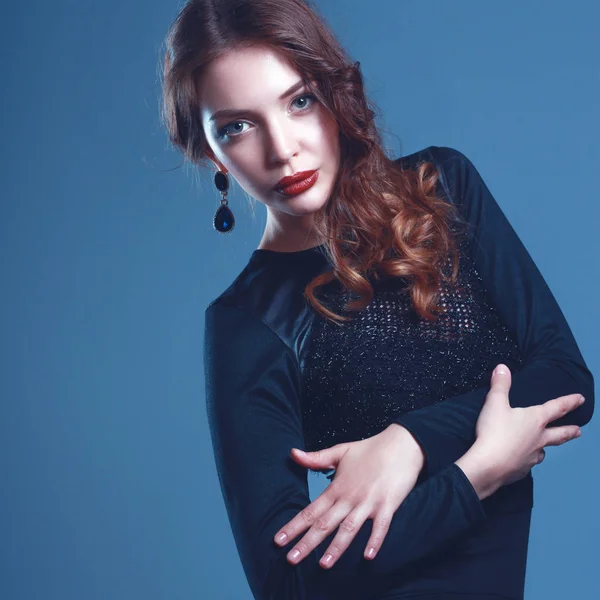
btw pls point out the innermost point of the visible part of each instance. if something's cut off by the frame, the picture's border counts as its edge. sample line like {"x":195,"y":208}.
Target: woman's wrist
{"x":486,"y":475}
{"x":410,"y":444}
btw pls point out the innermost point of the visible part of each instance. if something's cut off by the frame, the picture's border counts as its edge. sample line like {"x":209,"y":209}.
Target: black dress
{"x":280,"y":376}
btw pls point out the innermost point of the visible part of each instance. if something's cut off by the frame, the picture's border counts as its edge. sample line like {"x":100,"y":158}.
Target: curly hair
{"x":381,"y":219}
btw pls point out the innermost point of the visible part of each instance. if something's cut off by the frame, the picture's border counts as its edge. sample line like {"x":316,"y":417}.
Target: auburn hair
{"x":381,"y":219}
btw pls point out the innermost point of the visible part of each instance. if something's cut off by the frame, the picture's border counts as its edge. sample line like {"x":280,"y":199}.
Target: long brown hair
{"x":380,"y":219}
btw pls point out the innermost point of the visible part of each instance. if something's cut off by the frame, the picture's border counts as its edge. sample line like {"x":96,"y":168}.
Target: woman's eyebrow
{"x":232,"y":112}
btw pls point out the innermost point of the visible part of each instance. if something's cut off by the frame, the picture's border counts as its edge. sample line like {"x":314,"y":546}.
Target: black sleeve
{"x":552,"y":363}
{"x":254,"y":414}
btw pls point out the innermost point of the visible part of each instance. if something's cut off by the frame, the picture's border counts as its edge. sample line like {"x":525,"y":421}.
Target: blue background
{"x":108,"y":259}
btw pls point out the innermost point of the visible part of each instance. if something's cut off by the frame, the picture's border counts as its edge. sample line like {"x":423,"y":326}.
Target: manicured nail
{"x":327,"y":559}
{"x":371,"y":552}
{"x":281,"y":538}
{"x":294,"y":555}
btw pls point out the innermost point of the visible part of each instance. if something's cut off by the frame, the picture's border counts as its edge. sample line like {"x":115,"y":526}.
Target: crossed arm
{"x":252,"y":392}
{"x":552,"y":363}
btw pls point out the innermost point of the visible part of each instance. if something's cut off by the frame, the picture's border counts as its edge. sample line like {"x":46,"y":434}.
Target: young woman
{"x":365,"y":328}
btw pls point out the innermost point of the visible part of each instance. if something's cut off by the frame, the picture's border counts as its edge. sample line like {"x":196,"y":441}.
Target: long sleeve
{"x":254,"y":414}
{"x":552,"y":363}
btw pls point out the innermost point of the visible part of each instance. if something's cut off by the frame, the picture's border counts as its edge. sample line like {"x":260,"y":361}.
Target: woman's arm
{"x":254,"y":413}
{"x":552,"y":363}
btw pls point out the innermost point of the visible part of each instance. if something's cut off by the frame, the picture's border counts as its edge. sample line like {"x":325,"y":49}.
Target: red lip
{"x":300,"y":186}
{"x":293,"y":178}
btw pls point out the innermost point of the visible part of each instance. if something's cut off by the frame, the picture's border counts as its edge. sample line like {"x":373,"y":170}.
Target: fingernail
{"x":371,"y":552}
{"x":281,"y":538}
{"x":501,"y":369}
{"x":294,"y":555}
{"x":327,"y":559}
{"x":581,"y":400}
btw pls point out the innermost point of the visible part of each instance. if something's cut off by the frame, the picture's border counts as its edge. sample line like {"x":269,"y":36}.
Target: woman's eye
{"x":230,"y":131}
{"x":304,"y":96}
{"x":224,"y":131}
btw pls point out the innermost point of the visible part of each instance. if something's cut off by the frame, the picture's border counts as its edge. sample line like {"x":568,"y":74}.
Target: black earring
{"x":223,"y":220}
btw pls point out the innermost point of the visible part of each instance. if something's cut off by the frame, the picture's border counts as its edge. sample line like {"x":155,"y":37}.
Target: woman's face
{"x":265,"y":135}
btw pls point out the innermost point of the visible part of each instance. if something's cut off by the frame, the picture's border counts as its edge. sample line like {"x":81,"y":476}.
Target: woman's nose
{"x":283,"y":143}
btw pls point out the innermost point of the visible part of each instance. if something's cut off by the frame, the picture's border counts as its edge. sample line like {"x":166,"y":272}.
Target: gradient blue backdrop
{"x":108,"y":257}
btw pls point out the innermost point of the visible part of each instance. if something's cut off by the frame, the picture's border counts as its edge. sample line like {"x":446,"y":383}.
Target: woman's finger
{"x":381,"y":526}
{"x":347,"y":531}
{"x":555,"y":436}
{"x":305,"y":518}
{"x":558,"y":407}
{"x":327,"y":458}
{"x":320,"y":529}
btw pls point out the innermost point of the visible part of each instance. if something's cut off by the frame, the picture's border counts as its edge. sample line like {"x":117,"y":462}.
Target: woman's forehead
{"x":244,"y":77}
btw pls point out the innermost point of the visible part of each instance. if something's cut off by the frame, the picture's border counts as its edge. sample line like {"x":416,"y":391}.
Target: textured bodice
{"x":357,"y":376}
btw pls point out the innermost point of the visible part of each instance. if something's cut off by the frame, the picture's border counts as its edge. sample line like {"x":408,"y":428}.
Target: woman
{"x":366,"y":325}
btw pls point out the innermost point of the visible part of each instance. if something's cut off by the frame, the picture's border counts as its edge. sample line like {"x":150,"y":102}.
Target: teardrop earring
{"x":223,"y":220}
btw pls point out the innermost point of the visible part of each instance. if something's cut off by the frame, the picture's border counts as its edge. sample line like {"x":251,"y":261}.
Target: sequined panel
{"x":356,"y":377}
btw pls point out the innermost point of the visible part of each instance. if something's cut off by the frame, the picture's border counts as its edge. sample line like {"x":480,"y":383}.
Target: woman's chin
{"x":306,"y":203}
{"x":300,"y":207}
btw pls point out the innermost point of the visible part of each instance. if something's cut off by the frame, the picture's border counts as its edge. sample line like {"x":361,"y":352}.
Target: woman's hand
{"x":373,"y":477}
{"x":514,"y":438}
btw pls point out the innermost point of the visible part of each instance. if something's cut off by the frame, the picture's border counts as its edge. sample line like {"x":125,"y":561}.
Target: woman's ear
{"x":218,"y":165}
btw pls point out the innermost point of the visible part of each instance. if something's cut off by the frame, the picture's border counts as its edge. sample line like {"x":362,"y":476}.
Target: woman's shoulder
{"x":457,"y":173}
{"x":270,"y":289}
{"x":442,"y":156}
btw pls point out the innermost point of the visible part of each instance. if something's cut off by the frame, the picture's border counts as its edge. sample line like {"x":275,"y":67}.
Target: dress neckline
{"x":296,"y":253}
